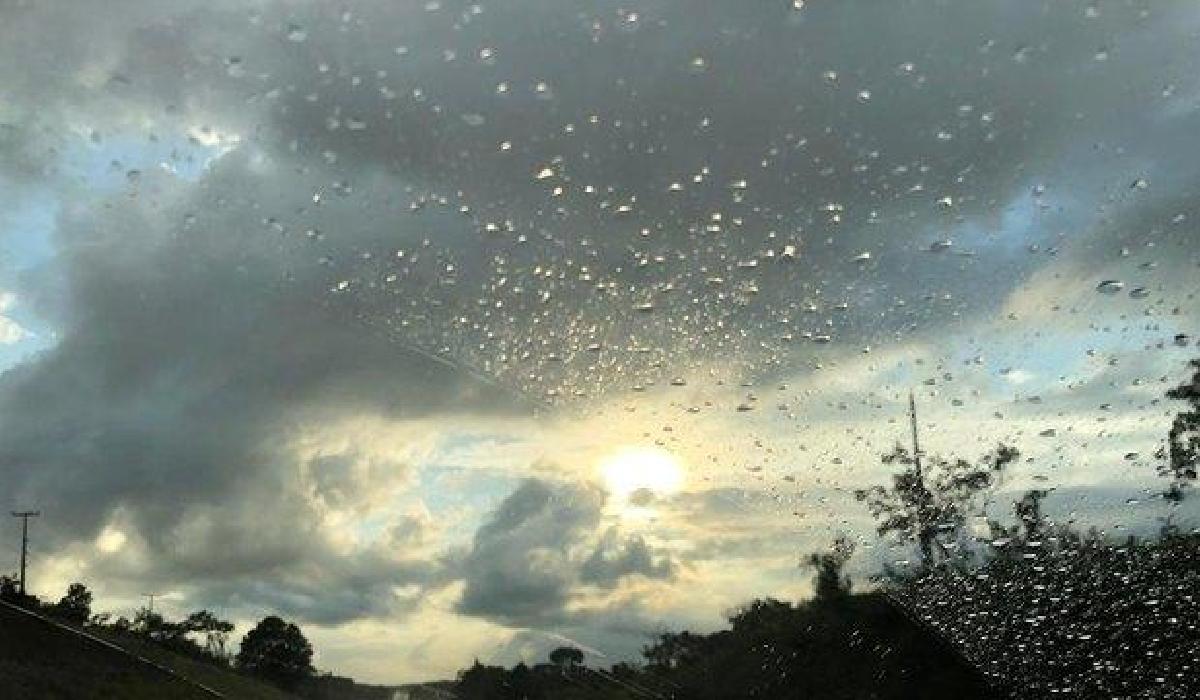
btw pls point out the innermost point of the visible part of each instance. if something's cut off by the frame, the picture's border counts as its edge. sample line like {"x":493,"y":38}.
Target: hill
{"x":43,"y":659}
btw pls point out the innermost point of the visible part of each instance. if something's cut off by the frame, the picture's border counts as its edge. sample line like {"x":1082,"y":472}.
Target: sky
{"x":466,"y":330}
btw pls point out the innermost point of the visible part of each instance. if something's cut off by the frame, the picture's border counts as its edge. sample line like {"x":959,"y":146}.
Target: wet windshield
{"x":603,"y":350}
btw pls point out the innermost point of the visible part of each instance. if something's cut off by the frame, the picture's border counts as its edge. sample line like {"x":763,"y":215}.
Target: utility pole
{"x":151,"y":596}
{"x":24,"y":515}
{"x":912,"y":411}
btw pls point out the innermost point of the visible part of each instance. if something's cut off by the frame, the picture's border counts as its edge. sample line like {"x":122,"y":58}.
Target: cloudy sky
{"x":459,"y":330}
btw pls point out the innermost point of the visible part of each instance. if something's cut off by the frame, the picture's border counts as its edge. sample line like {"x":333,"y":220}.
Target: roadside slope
{"x":39,"y":659}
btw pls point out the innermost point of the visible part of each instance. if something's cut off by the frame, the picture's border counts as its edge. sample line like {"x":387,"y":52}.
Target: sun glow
{"x":637,"y":469}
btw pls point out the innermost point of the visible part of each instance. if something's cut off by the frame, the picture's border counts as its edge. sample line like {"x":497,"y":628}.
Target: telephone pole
{"x":912,"y":411}
{"x":24,"y":515}
{"x":151,"y":597}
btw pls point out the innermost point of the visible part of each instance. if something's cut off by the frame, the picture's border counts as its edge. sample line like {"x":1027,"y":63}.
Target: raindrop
{"x":1110,"y":287}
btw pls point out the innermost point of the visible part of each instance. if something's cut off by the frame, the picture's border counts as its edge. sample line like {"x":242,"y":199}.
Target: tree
{"x":930,"y":498}
{"x":9,"y":589}
{"x":761,"y":615}
{"x":278,"y":651}
{"x":76,"y":605}
{"x":150,"y":624}
{"x":566,"y":657}
{"x":482,"y":682}
{"x":1182,"y":451}
{"x":829,"y":584}
{"x":215,"y":630}
{"x":1029,"y":511}
{"x":673,"y":649}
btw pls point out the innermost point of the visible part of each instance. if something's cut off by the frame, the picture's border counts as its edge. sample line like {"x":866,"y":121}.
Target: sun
{"x":634,"y":469}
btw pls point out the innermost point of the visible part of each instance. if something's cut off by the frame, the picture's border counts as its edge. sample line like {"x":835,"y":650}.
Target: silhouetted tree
{"x":76,"y":605}
{"x":1029,"y":511}
{"x":930,"y":498}
{"x":829,"y":584}
{"x":10,"y":592}
{"x":481,"y":682}
{"x":522,"y":683}
{"x":149,"y":624}
{"x":673,"y":649}
{"x":276,"y":650}
{"x":566,"y":657}
{"x":1182,"y":451}
{"x":215,"y":630}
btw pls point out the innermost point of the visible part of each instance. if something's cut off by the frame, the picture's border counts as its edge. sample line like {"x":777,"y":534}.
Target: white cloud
{"x":11,"y":332}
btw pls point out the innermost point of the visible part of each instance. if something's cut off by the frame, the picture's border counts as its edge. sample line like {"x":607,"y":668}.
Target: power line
{"x":24,"y":515}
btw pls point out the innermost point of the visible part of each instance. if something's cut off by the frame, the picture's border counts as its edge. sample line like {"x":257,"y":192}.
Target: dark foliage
{"x":829,"y":585}
{"x":1182,"y":451}
{"x":75,"y":606}
{"x":566,"y":657}
{"x":564,"y":679}
{"x":277,"y":651}
{"x":854,"y":646}
{"x":931,"y":497}
{"x":10,"y":592}
{"x":214,"y":630}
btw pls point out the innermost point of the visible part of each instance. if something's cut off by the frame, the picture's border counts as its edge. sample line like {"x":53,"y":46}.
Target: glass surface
{"x":606,"y":349}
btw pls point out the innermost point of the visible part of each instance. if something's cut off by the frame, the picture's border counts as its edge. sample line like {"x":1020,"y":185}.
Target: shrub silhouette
{"x":76,"y":605}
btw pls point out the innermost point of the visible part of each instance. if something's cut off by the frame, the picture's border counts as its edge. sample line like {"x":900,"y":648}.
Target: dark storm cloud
{"x":863,"y":115}
{"x":848,"y":124}
{"x":613,"y":560}
{"x":194,"y":346}
{"x":313,"y":271}
{"x":528,"y":559}
{"x":519,"y":567}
